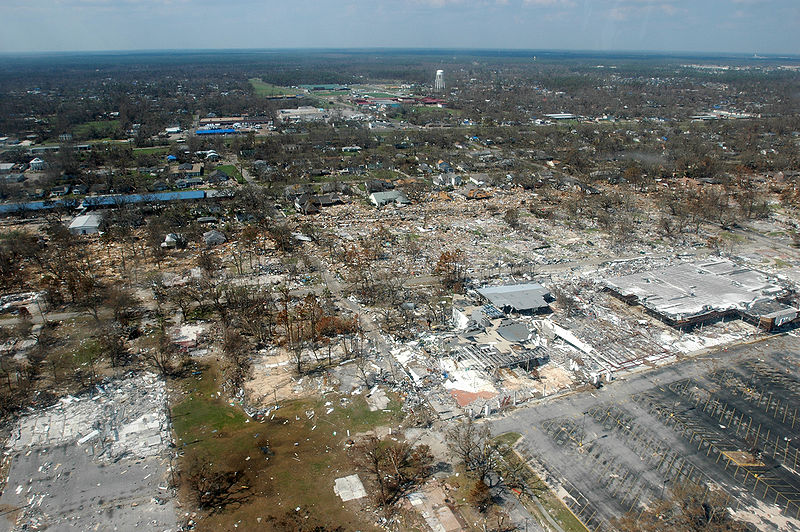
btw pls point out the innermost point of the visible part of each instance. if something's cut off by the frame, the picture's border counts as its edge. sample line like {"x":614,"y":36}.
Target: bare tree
{"x":394,"y":466}
{"x":296,"y":351}
{"x":475,"y":448}
{"x":114,"y":346}
{"x":480,"y":495}
{"x":282,"y":236}
{"x":511,"y":217}
{"x":237,"y":363}
{"x":363,"y":366}
{"x":451,"y":268}
{"x":214,"y":486}
{"x":123,"y":303}
{"x":565,"y":299}
{"x":164,"y":356}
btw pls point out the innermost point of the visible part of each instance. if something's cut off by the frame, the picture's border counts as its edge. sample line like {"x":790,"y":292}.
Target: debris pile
{"x":77,"y":461}
{"x":120,"y":418}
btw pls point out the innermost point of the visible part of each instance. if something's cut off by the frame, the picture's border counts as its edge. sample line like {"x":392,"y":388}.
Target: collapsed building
{"x":506,"y":347}
{"x":690,"y":294}
{"x":503,"y":350}
{"x":490,"y":337}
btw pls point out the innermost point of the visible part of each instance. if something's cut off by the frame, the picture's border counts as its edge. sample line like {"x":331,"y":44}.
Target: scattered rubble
{"x":377,"y":399}
{"x":87,"y":458}
{"x":431,"y":504}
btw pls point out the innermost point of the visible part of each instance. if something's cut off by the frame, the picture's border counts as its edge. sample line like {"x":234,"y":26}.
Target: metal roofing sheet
{"x":519,"y":296}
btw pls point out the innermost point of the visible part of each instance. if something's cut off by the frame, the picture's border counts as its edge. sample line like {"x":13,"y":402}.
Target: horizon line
{"x":446,"y":49}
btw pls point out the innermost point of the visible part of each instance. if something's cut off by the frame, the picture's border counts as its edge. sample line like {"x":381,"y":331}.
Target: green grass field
{"x":288,"y":460}
{"x":232,"y":171}
{"x":201,"y":414}
{"x":155,"y":150}
{"x":384,"y":173}
{"x":435,"y":112}
{"x":262,"y":88}
{"x":97,"y":129}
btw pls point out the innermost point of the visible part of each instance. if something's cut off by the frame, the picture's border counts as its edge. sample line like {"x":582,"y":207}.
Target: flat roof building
{"x":688,"y":294}
{"x":488,"y":340}
{"x":561,"y":116}
{"x":217,"y":131}
{"x":303,"y":114}
{"x":523,"y":298}
{"x":86,"y":224}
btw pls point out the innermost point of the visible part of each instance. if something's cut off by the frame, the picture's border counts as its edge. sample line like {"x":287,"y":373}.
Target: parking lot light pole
{"x":583,"y":429}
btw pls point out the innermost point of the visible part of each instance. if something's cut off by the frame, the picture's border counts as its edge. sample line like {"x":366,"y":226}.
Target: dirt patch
{"x":431,"y":503}
{"x":464,"y":398}
{"x":286,"y":464}
{"x":555,"y":378}
{"x":743,"y":458}
{"x":274,"y":379}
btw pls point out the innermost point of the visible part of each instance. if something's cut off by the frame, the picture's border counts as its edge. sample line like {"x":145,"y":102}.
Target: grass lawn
{"x":554,"y":506}
{"x":435,"y":112}
{"x":232,"y":171}
{"x":384,"y":173}
{"x":289,"y":460}
{"x":97,"y":129}
{"x":262,"y":88}
{"x":330,"y":178}
{"x":732,"y":237}
{"x":509,"y":438}
{"x":155,"y":150}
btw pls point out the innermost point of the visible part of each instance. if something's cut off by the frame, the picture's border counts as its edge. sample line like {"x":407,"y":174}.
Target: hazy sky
{"x":749,"y":26}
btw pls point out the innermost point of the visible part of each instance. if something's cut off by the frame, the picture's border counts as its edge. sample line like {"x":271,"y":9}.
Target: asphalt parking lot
{"x":729,"y":419}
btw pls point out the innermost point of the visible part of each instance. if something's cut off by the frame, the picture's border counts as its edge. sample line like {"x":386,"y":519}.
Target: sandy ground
{"x":275,"y":379}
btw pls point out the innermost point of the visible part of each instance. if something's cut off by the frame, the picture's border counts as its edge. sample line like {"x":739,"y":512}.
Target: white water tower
{"x":438,"y":84}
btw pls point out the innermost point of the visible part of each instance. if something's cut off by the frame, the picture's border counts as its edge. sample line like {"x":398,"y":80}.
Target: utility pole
{"x":583,"y":428}
{"x":39,"y":306}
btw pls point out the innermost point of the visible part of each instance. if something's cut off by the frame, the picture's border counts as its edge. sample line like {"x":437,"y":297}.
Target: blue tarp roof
{"x":214,"y":131}
{"x":105,"y":200}
{"x":91,"y":201}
